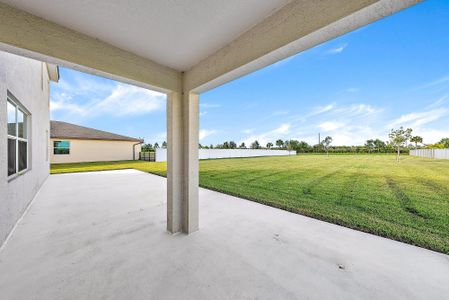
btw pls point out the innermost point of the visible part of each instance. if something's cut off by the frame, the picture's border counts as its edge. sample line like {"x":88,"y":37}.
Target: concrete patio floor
{"x":102,"y":235}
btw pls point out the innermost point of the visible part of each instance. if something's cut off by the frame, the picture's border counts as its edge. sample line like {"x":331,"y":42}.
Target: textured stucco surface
{"x":151,"y":29}
{"x":102,"y":235}
{"x":94,"y":150}
{"x":27,"y":80}
{"x":182,"y":166}
{"x":25,"y":34}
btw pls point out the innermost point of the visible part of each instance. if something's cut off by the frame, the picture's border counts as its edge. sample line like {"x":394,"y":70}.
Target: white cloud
{"x":350,"y":124}
{"x":210,"y":105}
{"x":417,"y":119}
{"x":283,"y":129}
{"x":129,"y":100}
{"x":358,"y":109}
{"x":337,"y":50}
{"x":431,"y":136}
{"x":205,"y":133}
{"x":122,"y":100}
{"x":270,"y":136}
{"x":322,"y":109}
{"x":331,"y":126}
{"x":344,"y":111}
{"x":439,"y":81}
{"x":203,"y":113}
{"x":439,"y":102}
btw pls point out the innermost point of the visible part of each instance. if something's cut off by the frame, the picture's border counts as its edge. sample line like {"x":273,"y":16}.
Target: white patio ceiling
{"x":177,"y":34}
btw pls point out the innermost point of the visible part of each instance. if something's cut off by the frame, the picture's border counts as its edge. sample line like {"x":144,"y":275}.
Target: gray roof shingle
{"x":63,"y":130}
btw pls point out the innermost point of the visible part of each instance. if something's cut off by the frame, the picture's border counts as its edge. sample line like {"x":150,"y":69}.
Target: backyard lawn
{"x":406,"y":201}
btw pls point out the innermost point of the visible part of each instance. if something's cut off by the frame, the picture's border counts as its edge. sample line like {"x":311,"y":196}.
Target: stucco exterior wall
{"x":28,"y":81}
{"x":94,"y":150}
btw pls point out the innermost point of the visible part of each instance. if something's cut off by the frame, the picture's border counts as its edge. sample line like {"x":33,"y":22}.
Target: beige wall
{"x":94,"y":150}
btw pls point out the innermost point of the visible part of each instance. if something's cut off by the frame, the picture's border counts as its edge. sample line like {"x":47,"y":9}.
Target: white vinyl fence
{"x":161,"y":154}
{"x":431,"y":153}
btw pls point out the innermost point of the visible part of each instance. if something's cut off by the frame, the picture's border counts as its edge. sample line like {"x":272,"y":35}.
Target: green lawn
{"x":406,"y":201}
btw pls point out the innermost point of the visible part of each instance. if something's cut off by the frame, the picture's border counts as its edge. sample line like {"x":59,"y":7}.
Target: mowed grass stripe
{"x":406,"y":201}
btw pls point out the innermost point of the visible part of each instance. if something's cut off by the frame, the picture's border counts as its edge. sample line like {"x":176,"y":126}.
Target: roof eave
{"x":96,"y":139}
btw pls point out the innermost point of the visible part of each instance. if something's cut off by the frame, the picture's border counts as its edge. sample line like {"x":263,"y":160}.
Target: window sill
{"x":17,"y":175}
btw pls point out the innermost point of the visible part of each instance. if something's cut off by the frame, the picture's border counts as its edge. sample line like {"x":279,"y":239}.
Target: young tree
{"x":445,"y":142}
{"x":242,"y":146}
{"x":398,"y":138}
{"x":280,"y":143}
{"x":269,"y":145}
{"x":326,"y":143}
{"x":416,"y":139}
{"x":164,"y":144}
{"x":255,"y":145}
{"x":156,"y":145}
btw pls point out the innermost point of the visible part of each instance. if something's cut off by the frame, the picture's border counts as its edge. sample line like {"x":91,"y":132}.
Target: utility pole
{"x":319,"y":138}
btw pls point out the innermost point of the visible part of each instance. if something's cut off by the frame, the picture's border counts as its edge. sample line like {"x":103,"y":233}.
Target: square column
{"x":182,"y":162}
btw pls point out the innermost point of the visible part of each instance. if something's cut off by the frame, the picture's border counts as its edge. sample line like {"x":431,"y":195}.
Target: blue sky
{"x":391,"y":73}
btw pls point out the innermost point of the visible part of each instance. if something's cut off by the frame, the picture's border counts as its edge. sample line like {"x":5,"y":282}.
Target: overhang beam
{"x":296,"y":27}
{"x":28,"y":35}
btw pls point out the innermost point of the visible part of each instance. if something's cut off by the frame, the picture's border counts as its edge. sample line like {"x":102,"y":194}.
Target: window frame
{"x":27,"y":116}
{"x":60,"y":141}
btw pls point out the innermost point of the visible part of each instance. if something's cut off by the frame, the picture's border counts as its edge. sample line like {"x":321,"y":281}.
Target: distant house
{"x":71,"y":143}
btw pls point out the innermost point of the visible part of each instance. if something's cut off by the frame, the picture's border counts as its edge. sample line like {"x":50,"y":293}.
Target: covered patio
{"x":181,"y":48}
{"x":101,"y":235}
{"x":128,"y":234}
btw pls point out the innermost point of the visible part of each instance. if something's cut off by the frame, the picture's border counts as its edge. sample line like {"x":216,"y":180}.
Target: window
{"x":61,"y":147}
{"x":17,"y":137}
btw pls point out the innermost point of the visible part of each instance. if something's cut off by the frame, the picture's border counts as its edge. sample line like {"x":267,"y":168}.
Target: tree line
{"x":400,"y":141}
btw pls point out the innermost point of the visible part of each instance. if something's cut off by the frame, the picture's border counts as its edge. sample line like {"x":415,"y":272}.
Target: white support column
{"x":182,"y":162}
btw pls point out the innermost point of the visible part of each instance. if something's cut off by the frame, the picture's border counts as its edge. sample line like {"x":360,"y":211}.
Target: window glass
{"x":61,"y":151}
{"x":11,"y":156}
{"x":17,"y":123}
{"x":61,"y":144}
{"x":23,"y":155}
{"x":11,"y":119}
{"x":22,"y":123}
{"x":61,"y":147}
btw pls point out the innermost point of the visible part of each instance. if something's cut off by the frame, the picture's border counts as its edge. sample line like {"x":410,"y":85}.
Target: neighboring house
{"x":72,"y":143}
{"x":24,"y":133}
